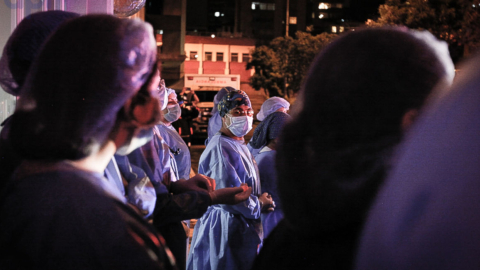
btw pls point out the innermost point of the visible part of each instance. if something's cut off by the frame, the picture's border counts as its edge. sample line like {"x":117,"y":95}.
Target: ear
{"x":408,"y":119}
{"x":143,"y":114}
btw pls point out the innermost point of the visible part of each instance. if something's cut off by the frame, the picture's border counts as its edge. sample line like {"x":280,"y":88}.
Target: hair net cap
{"x":24,"y":44}
{"x":269,"y":129}
{"x":231,"y":100}
{"x":271,"y":105}
{"x":440,"y":48}
{"x":77,"y":85}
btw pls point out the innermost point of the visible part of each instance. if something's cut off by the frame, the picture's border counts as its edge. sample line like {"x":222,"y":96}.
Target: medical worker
{"x":177,"y":146}
{"x":17,"y":57}
{"x":271,"y":105}
{"x":227,"y":236}
{"x":178,"y":199}
{"x":86,"y":97}
{"x":337,"y":150}
{"x":215,"y":122}
{"x":265,"y":140}
{"x":426,"y":214}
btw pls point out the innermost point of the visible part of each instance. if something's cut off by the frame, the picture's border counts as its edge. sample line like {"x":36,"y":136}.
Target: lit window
{"x":271,"y":6}
{"x":313,"y":15}
{"x":322,"y":16}
{"x":341,"y":29}
{"x":245,"y":57}
{"x":334,"y":29}
{"x":222,"y":15}
{"x":255,"y":5}
{"x":220,"y":56}
{"x":208,"y":56}
{"x":217,"y":14}
{"x":263,"y":6}
{"x":324,"y":6}
{"x":339,"y":5}
{"x":234,"y":57}
{"x":193,"y":55}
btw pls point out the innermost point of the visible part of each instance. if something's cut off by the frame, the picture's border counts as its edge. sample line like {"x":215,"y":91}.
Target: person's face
{"x":172,"y":99}
{"x":242,"y":110}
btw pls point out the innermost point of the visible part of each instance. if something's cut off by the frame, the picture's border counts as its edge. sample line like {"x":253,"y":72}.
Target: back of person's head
{"x":78,"y":85}
{"x":272,"y":105}
{"x":269,"y":129}
{"x":24,"y":44}
{"x":350,"y":112}
{"x":426,"y":214}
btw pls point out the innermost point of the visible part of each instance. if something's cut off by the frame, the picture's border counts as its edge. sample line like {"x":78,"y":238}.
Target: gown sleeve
{"x":224,"y":164}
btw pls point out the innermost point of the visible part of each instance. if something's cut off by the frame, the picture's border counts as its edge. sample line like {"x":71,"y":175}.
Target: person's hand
{"x":199,"y":183}
{"x":231,"y":195}
{"x":266,"y":202}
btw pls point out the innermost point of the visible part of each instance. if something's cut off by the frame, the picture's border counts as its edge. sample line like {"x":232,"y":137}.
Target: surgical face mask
{"x":173,"y":113}
{"x":141,"y":137}
{"x":239,"y":125}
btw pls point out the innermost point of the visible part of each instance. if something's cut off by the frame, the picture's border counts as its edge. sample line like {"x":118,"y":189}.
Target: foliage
{"x":281,"y":66}
{"x":455,"y":21}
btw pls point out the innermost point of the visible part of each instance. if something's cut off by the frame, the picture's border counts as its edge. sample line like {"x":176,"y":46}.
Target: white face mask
{"x":239,"y":125}
{"x":141,"y":137}
{"x":173,"y":113}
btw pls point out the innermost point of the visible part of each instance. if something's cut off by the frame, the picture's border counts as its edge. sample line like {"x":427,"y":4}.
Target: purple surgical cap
{"x":24,"y":44}
{"x":271,"y":105}
{"x":78,"y":84}
{"x":231,"y":100}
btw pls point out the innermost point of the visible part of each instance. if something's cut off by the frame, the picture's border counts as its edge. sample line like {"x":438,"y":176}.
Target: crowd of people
{"x":375,"y":167}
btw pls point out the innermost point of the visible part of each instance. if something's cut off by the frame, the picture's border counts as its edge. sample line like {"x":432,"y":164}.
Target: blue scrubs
{"x":227,"y":236}
{"x":268,"y":176}
{"x":181,"y":153}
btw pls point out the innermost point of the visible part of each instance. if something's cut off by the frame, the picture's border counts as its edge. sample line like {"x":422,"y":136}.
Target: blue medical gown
{"x":170,"y":209}
{"x":227,"y":236}
{"x":268,"y":176}
{"x":178,"y":145}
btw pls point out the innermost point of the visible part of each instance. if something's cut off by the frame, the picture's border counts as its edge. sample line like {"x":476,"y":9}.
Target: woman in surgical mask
{"x":177,"y":145}
{"x":227,"y":236}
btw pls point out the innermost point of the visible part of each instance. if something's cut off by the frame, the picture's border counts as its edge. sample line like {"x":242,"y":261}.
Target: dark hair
{"x":77,"y":85}
{"x":335,"y":149}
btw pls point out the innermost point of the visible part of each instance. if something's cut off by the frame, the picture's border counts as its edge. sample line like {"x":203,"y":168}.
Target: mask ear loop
{"x":143,"y":109}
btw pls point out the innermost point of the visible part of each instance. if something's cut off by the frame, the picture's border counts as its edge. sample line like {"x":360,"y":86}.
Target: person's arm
{"x":223,"y":169}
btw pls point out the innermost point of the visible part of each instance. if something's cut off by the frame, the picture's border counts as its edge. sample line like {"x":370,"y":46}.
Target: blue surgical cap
{"x":271,"y":105}
{"x":231,"y":100}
